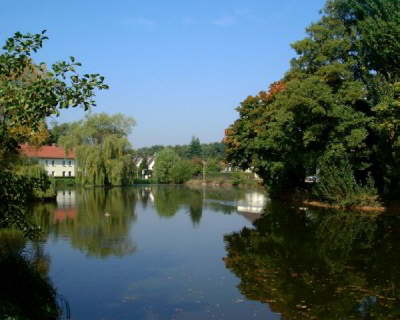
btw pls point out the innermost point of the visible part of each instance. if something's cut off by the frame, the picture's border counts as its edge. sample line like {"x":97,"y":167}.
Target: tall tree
{"x":194,"y":150}
{"x":30,"y":92}
{"x":102,"y":149}
{"x":337,"y":102}
{"x":56,"y":131}
{"x":164,"y":165}
{"x":170,"y":168}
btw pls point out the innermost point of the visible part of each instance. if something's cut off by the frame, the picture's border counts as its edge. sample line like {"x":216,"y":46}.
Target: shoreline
{"x":320,"y":204}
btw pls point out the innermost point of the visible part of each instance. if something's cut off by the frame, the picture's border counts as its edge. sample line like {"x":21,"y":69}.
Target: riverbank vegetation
{"x":194,"y":168}
{"x":35,"y":171}
{"x":29,"y":93}
{"x":338,"y":103}
{"x":225,"y":179}
{"x":319,"y":264}
{"x":170,"y":168}
{"x":26,"y":292}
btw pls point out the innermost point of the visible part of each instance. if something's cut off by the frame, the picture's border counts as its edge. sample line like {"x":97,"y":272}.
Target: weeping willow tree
{"x":43,"y":189}
{"x":107,"y":163}
{"x":102,"y":149}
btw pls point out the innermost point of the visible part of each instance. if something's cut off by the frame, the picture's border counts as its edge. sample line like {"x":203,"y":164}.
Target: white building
{"x":254,"y":202}
{"x":56,"y":162}
{"x":150,"y":162}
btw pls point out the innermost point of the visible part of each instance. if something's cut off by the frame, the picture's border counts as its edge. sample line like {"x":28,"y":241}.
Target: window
{"x":69,"y":173}
{"x":47,"y":162}
{"x":52,"y":173}
{"x":63,"y":173}
{"x":52,"y":163}
{"x":70,"y":163}
{"x":64,"y":163}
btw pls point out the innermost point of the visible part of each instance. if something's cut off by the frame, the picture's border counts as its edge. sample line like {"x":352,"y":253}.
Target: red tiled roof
{"x":51,"y":152}
{"x":63,"y":214}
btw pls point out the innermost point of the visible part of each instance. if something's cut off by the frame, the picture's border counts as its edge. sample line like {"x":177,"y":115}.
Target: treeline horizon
{"x":193,"y":149}
{"x":208,"y":150}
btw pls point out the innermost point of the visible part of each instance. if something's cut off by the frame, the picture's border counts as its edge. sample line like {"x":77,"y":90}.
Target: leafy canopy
{"x":339,"y":100}
{"x":170,"y":168}
{"x":102,"y":149}
{"x":30,"y":92}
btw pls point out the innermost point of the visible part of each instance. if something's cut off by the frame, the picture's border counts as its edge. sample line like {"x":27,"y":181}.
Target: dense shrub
{"x":338,"y":185}
{"x":45,"y":188}
{"x":170,"y":168}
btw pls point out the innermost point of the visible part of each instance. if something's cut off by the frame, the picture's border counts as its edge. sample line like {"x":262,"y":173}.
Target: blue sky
{"x":178,"y":67}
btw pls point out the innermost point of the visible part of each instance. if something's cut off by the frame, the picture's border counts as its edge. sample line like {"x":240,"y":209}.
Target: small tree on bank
{"x":170,"y":168}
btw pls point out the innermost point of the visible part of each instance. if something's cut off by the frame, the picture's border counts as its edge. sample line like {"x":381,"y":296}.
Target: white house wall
{"x":59,"y":167}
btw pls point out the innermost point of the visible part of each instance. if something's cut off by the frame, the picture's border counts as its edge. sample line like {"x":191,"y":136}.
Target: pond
{"x":151,"y":252}
{"x":170,"y":252}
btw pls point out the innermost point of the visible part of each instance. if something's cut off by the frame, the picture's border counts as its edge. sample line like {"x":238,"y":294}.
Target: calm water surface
{"x":154,"y":252}
{"x":162,"y":252}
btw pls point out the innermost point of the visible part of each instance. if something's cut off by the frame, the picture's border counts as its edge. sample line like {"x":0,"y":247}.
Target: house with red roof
{"x":54,"y":159}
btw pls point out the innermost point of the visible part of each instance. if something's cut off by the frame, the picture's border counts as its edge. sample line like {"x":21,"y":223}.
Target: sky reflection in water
{"x":163,"y":252}
{"x":147,"y":253}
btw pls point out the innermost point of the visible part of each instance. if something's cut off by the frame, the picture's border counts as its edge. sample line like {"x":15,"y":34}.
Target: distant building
{"x":56,"y":162}
{"x":147,"y":171}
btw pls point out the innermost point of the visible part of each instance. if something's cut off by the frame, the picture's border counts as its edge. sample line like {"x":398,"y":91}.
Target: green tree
{"x":182,"y":171}
{"x":215,"y":150}
{"x":339,"y":100}
{"x":194,"y":150}
{"x":102,"y":149}
{"x":166,"y":160}
{"x":56,"y":131}
{"x":95,"y":128}
{"x":149,"y":151}
{"x":170,"y":168}
{"x":29,"y":93}
{"x":36,"y":171}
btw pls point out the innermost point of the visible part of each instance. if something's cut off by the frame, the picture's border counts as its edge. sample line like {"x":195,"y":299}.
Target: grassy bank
{"x":63,"y":182}
{"x":227,"y":179}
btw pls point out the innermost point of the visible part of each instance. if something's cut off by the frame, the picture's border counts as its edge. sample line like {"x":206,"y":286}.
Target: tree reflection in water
{"x":97,"y":221}
{"x":168,"y":200}
{"x":100,"y":224}
{"x":25,"y":290}
{"x":319,"y":264}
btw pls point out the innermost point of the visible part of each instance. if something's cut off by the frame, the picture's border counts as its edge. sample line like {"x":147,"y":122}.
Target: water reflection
{"x":169,"y":200}
{"x":319,"y":265}
{"x":254,"y":202}
{"x":66,"y":198}
{"x":25,"y":290}
{"x":177,"y":273}
{"x":96,"y":221}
